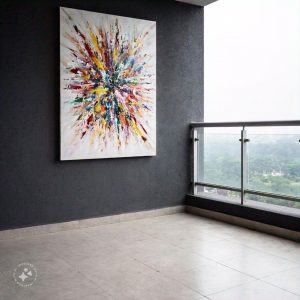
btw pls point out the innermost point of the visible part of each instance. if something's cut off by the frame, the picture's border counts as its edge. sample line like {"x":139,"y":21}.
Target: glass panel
{"x":274,"y":160}
{"x":219,"y":194}
{"x":280,"y":205}
{"x":219,"y":156}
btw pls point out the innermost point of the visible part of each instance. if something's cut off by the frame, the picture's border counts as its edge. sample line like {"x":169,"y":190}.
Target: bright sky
{"x":252,"y":60}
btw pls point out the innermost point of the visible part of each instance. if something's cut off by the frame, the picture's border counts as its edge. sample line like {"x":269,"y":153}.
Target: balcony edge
{"x":261,"y":220}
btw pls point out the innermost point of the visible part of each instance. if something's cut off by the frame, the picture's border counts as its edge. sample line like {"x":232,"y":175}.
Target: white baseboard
{"x":50,"y":228}
{"x":273,"y":230}
{"x":57,"y":227}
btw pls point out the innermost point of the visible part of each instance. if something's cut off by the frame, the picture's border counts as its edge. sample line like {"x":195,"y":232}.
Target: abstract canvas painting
{"x":107,"y":84}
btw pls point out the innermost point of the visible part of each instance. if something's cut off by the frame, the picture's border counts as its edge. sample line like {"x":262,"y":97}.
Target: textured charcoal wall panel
{"x":36,"y":188}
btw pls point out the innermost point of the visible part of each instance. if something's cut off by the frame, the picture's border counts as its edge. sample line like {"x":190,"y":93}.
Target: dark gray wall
{"x":36,"y":188}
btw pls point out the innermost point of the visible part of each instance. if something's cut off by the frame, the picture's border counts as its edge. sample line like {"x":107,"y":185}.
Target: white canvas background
{"x":83,"y":149}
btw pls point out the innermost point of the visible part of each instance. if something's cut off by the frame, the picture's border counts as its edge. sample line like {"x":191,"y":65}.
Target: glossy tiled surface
{"x":172,"y":257}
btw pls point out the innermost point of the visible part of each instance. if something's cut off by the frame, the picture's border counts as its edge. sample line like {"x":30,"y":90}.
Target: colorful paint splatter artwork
{"x":108,"y":85}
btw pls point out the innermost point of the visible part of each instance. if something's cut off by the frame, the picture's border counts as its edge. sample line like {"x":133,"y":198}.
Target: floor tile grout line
{"x":161,"y":274}
{"x":258,"y":278}
{"x":228,"y":267}
{"x":149,"y":267}
{"x":171,"y":279}
{"x":265,"y":252}
{"x":272,"y":284}
{"x":92,"y":281}
{"x":185,"y":285}
{"x":250,"y":247}
{"x":174,"y":279}
{"x":213,"y":261}
{"x":233,"y":287}
{"x":282,"y":271}
{"x":220,"y":263}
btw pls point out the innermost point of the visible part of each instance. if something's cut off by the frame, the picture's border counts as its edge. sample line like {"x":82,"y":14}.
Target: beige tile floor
{"x":174,"y":257}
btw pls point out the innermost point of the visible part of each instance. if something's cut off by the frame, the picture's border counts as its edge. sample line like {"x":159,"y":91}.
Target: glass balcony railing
{"x":250,"y":163}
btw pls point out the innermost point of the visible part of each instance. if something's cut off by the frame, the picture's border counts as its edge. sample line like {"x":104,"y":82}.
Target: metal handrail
{"x":223,"y":187}
{"x":246,"y":123}
{"x":248,"y":191}
{"x":272,"y":195}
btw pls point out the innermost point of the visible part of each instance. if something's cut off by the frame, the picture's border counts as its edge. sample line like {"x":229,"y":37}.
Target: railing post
{"x":195,"y":159}
{"x":244,"y":163}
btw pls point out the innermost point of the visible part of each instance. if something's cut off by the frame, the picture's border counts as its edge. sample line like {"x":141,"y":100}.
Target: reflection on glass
{"x":280,"y":205}
{"x":220,"y":194}
{"x":274,"y":160}
{"x":219,"y":158}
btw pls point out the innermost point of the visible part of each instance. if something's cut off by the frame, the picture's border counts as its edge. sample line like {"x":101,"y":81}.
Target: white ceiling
{"x":198,"y":2}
